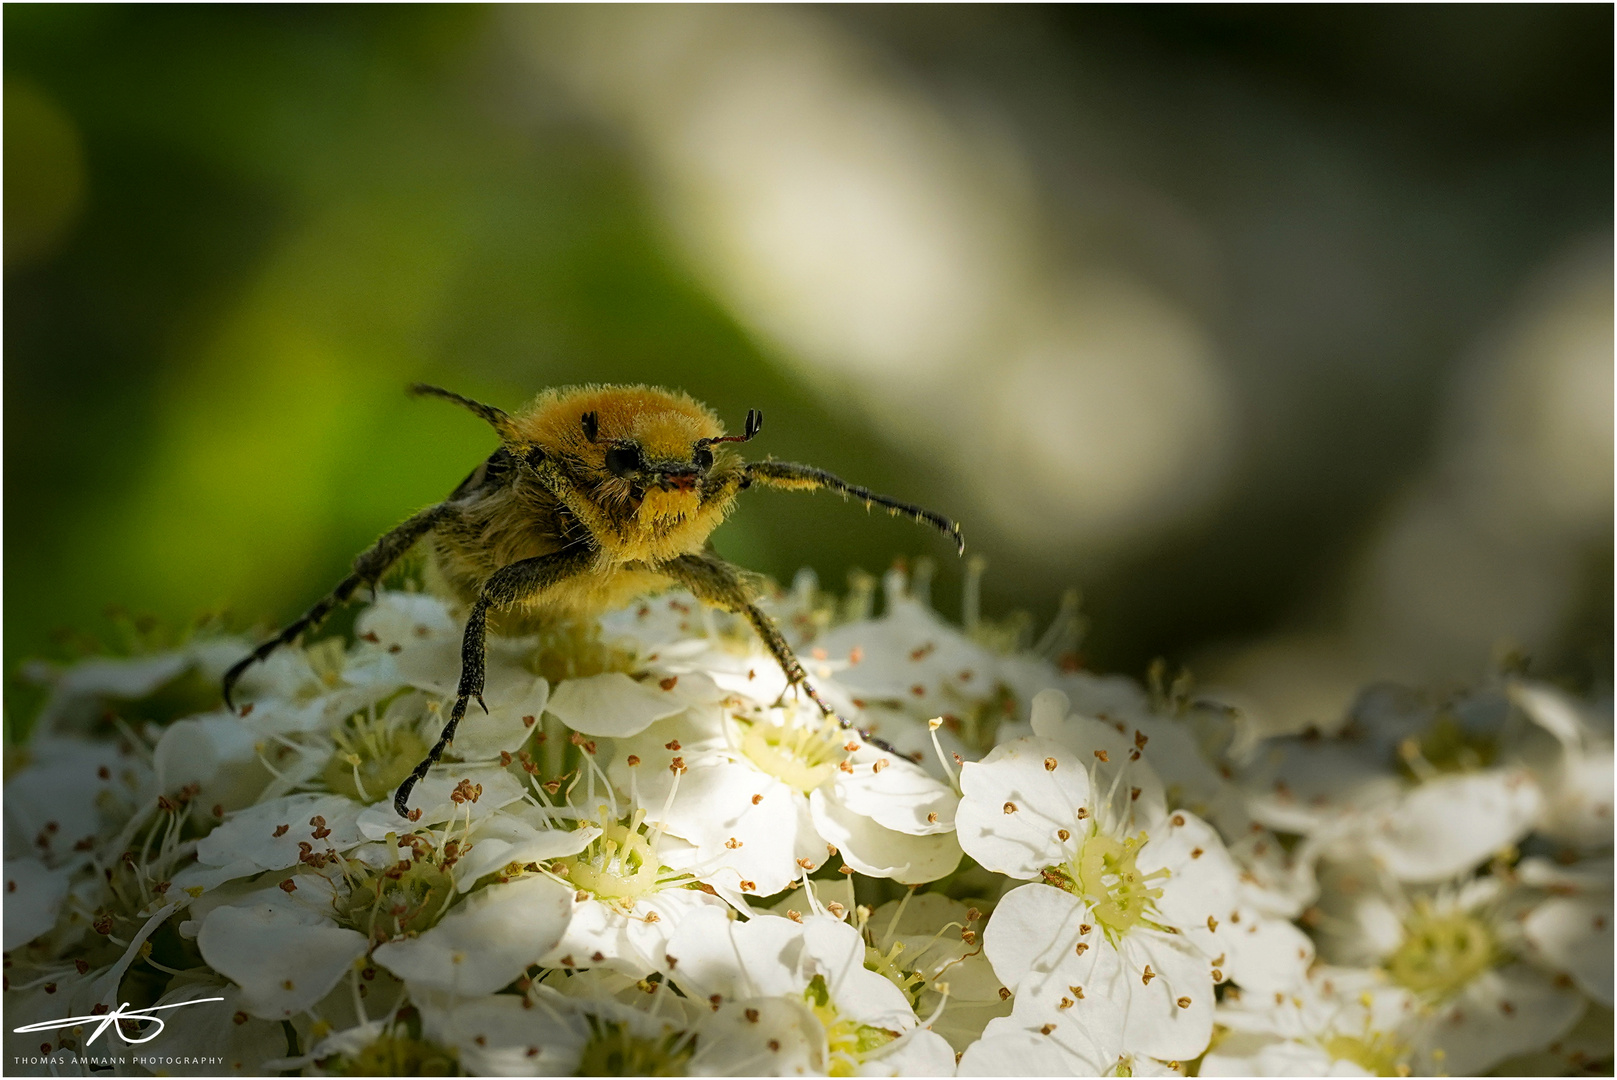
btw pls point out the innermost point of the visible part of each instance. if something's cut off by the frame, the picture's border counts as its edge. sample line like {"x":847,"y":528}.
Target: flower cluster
{"x":652,"y":858}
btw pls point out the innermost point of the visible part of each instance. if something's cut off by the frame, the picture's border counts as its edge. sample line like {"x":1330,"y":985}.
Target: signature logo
{"x":105,"y":1020}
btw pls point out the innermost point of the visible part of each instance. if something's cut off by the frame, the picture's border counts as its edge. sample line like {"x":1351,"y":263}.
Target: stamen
{"x":932,"y":727}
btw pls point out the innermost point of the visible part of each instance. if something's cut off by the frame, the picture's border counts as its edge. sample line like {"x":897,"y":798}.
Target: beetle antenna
{"x":497,"y":418}
{"x":754,"y":424}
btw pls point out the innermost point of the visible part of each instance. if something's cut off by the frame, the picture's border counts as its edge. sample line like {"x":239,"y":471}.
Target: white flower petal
{"x":1553,"y":711}
{"x":760,"y":1036}
{"x":612,"y":705}
{"x":1013,"y":805}
{"x":1573,"y":934}
{"x":633,"y":941}
{"x":515,"y":705}
{"x":283,"y":954}
{"x":1503,"y":1012}
{"x":486,"y":941}
{"x":837,"y":951}
{"x":900,"y":796}
{"x":504,"y":838}
{"x":1578,"y":799}
{"x":1112,"y":751}
{"x":218,"y":753}
{"x":1029,"y":929}
{"x":77,"y":693}
{"x":746,"y":825}
{"x":922,"y":1053}
{"x":1008,"y":1049}
{"x":711,"y":953}
{"x":501,"y":1035}
{"x":1244,"y":1054}
{"x":1452,"y":824}
{"x":1171,"y":1018}
{"x":34,"y":896}
{"x":1302,"y":786}
{"x":62,"y":799}
{"x":212,"y":1037}
{"x":871,"y":849}
{"x":433,"y":798}
{"x":1202,"y":879}
{"x":251,"y":833}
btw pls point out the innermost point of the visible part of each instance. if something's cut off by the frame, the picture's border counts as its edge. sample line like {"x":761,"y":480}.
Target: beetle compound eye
{"x":624,"y":460}
{"x":703,"y":458}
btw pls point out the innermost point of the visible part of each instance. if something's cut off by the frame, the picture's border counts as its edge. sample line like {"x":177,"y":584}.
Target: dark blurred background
{"x":1285,"y":333}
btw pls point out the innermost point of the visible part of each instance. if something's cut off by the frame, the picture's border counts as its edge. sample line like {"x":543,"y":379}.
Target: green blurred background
{"x":1362,"y":254}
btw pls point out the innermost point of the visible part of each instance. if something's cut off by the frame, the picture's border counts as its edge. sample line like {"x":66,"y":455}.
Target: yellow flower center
{"x":614,"y":1050}
{"x":1442,"y":952}
{"x":618,"y":865}
{"x":396,"y":1055}
{"x":801,"y":756}
{"x":1104,"y":873}
{"x":848,"y":1041}
{"x":400,"y":900}
{"x":1376,"y":1052}
{"x":372,"y":758}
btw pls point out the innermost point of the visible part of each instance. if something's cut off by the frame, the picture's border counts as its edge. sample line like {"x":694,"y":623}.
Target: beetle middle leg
{"x":711,"y":579}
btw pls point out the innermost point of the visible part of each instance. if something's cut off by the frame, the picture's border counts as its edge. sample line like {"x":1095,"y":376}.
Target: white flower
{"x":626,"y":897}
{"x":848,"y":1018}
{"x":763,"y":795}
{"x":72,"y":796}
{"x":1409,"y":785}
{"x":1343,"y":1022}
{"x":1457,"y":950}
{"x":1116,"y":952}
